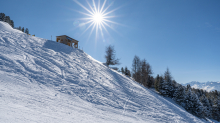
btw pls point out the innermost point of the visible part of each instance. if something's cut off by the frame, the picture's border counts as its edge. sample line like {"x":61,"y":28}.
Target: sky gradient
{"x":182,"y":35}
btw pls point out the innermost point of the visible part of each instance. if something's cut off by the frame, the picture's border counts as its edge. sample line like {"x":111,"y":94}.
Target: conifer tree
{"x":129,"y":73}
{"x":122,"y":70}
{"x":167,"y":75}
{"x":175,"y":84}
{"x":192,"y":104}
{"x":152,"y":80}
{"x":161,"y":85}
{"x":216,"y":109}
{"x":7,"y":19}
{"x":167,"y":85}
{"x":2,"y":17}
{"x":149,"y":81}
{"x":157,"y":83}
{"x":188,"y":87}
{"x":22,"y":29}
{"x":126,"y":70}
{"x":110,"y":56}
{"x":144,"y":73}
{"x":179,"y":95}
{"x":215,"y":113}
{"x":210,"y":100}
{"x":19,"y":28}
{"x":26,"y":31}
{"x":12,"y":23}
{"x":198,"y":106}
{"x":188,"y":101}
{"x":206,"y":106}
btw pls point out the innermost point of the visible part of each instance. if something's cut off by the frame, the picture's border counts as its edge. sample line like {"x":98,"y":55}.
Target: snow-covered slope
{"x":44,"y":81}
{"x":208,"y":86}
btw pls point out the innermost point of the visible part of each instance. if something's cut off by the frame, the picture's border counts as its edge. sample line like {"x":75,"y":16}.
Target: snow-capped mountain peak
{"x":208,"y":86}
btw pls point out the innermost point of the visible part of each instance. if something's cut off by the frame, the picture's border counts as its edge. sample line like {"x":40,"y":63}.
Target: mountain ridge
{"x":208,"y":86}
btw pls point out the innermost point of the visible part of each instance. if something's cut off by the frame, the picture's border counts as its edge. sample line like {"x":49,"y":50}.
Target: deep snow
{"x":44,"y":81}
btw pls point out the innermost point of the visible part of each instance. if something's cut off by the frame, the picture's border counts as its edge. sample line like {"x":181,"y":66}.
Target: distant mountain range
{"x":208,"y":86}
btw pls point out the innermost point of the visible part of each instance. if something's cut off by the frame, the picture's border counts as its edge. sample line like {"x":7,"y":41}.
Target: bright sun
{"x":97,"y":17}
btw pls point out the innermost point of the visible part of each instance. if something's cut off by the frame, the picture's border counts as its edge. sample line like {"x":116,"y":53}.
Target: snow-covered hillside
{"x":47,"y":82}
{"x":208,"y":86}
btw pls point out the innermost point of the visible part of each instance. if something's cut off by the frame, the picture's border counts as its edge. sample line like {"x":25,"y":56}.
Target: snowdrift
{"x":45,"y":81}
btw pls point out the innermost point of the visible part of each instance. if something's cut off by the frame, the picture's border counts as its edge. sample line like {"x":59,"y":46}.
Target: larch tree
{"x":136,"y":68}
{"x":144,"y":74}
{"x":146,"y":71}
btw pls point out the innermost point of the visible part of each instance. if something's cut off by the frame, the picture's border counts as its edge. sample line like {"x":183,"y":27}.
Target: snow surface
{"x":208,"y":86}
{"x":44,"y":81}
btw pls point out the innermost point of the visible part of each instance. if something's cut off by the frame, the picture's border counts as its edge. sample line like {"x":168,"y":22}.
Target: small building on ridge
{"x":67,"y":40}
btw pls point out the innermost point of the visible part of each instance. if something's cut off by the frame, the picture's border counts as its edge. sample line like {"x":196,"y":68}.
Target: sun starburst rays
{"x":97,"y":17}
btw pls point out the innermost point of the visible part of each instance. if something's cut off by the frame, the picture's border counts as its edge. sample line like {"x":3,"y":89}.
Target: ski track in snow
{"x":44,"y":81}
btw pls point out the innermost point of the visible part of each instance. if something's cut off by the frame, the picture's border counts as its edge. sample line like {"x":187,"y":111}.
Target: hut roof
{"x":67,"y":37}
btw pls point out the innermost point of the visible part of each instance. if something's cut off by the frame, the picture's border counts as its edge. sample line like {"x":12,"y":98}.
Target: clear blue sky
{"x":183,"y":35}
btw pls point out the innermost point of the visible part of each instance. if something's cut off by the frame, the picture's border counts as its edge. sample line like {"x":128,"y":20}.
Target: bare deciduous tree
{"x":136,"y":68}
{"x":146,"y":71}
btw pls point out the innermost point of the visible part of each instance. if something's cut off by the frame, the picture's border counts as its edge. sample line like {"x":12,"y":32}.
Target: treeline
{"x":141,"y":72}
{"x":7,"y":19}
{"x":196,"y":101}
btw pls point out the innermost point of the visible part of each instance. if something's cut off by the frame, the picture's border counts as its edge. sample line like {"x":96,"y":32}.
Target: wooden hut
{"x":67,"y":40}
